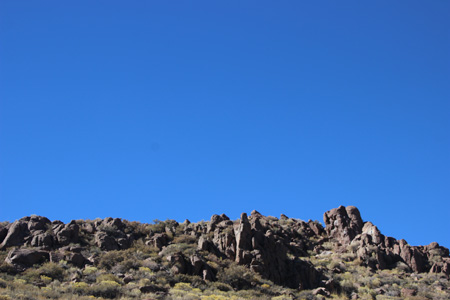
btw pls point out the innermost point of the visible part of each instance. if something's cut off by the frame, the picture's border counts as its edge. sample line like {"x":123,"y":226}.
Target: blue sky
{"x":181,"y":109}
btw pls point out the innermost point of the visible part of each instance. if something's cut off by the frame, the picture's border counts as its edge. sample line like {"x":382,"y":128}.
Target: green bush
{"x":239,"y":277}
{"x":52,"y":270}
{"x":106,"y":289}
{"x":108,"y":277}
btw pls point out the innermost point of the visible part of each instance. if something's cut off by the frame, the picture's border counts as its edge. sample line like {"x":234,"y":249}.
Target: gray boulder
{"x":27,"y":257}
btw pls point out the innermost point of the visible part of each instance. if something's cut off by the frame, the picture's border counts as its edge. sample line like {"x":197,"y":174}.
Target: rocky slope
{"x":282,"y":252}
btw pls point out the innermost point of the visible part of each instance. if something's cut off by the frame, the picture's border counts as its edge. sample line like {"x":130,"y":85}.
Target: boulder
{"x":27,"y":257}
{"x":43,"y":240}
{"x":215,"y":219}
{"x":66,"y":233}
{"x":16,"y":235}
{"x":77,"y":259}
{"x":106,"y":241}
{"x":201,"y":268}
{"x":375,"y":234}
{"x":316,"y":227}
{"x":159,"y":240}
{"x":225,"y":241}
{"x":38,"y":223}
{"x":412,"y":256}
{"x":343,"y":224}
{"x":179,"y":263}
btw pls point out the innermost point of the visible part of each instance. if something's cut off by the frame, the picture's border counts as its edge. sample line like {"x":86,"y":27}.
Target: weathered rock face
{"x":346,"y":228}
{"x":16,"y":235}
{"x":3,"y":233}
{"x":343,"y":224}
{"x":274,"y":248}
{"x":225,"y":241}
{"x":251,"y":243}
{"x":27,"y":257}
{"x":66,"y":233}
{"x":106,"y":241}
{"x":159,"y":240}
{"x":243,"y":235}
{"x":43,"y":240}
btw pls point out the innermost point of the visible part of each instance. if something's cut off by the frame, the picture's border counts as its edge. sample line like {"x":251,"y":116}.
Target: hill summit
{"x":253,"y":257}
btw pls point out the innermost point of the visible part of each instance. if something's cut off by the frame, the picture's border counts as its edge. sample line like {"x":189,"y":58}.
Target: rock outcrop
{"x":343,"y":224}
{"x":27,"y":257}
{"x":278,"y":250}
{"x":345,"y":227}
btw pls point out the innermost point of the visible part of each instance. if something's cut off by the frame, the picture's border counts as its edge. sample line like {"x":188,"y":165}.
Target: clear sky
{"x":181,"y":109}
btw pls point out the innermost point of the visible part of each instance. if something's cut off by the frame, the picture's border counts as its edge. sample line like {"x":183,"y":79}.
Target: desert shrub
{"x":327,"y":245}
{"x":194,"y":281}
{"x":106,"y":289}
{"x":183,"y":286}
{"x":52,"y":270}
{"x":239,"y":277}
{"x":108,"y":277}
{"x":79,"y":288}
{"x":163,"y":278}
{"x":160,"y":226}
{"x":374,"y":283}
{"x":347,"y":286}
{"x":186,"y":249}
{"x":4,"y":266}
{"x":45,"y":279}
{"x":31,"y":275}
{"x":137,"y":228}
{"x":366,"y":291}
{"x":88,"y":270}
{"x":221,"y":286}
{"x":90,"y":274}
{"x":110,"y":259}
{"x":283,"y":297}
{"x":184,"y":239}
{"x":348,"y":257}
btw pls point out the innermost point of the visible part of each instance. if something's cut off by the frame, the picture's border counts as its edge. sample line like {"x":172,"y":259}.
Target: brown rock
{"x":66,"y":234}
{"x":180,"y":266}
{"x":38,"y":223}
{"x":343,"y":224}
{"x":225,"y":242}
{"x":372,"y":231}
{"x":27,"y":257}
{"x":106,"y":241}
{"x":159,"y":240}
{"x":77,"y":259}
{"x":44,"y":240}
{"x":215,"y":219}
{"x":315,"y":227}
{"x":16,"y":234}
{"x":283,"y":217}
{"x":243,"y":235}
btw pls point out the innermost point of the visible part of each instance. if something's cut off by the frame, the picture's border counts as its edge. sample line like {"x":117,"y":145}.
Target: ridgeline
{"x":254,"y":257}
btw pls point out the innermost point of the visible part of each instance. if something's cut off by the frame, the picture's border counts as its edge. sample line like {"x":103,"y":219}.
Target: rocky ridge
{"x":278,"y":249}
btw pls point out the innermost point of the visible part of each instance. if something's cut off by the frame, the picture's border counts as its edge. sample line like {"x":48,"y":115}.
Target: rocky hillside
{"x":254,"y":257}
